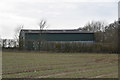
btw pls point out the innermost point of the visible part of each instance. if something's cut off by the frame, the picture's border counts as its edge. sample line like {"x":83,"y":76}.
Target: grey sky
{"x":60,"y":14}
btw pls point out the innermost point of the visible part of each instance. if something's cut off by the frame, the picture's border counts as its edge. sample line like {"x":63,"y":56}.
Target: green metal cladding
{"x":60,"y":36}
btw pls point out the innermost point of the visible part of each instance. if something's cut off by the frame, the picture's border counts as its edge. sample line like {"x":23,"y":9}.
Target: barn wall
{"x":32,"y":40}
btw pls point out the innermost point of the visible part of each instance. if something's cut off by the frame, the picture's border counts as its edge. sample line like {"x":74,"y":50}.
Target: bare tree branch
{"x":17,"y":32}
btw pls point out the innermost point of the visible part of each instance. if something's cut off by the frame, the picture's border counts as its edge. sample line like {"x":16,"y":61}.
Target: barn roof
{"x":55,"y":31}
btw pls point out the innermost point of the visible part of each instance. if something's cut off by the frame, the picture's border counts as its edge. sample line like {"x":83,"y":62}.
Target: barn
{"x":30,"y":38}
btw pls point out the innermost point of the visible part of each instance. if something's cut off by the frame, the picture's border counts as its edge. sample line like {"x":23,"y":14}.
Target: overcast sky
{"x":59,"y":14}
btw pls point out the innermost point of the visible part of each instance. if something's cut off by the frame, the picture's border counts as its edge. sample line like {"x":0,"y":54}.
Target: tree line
{"x":104,"y":34}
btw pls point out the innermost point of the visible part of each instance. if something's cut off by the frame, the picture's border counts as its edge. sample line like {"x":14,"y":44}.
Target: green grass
{"x":59,"y":65}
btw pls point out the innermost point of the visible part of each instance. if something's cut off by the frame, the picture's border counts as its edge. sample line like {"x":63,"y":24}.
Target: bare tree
{"x":4,"y":43}
{"x":94,"y":26}
{"x":111,"y":33}
{"x":16,"y":36}
{"x":42,"y":25}
{"x":98,"y":27}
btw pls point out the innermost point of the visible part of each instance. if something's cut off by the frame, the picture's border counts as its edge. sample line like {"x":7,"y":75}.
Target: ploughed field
{"x":59,"y":65}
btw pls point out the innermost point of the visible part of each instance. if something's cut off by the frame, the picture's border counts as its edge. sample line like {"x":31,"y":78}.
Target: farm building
{"x":30,"y":39}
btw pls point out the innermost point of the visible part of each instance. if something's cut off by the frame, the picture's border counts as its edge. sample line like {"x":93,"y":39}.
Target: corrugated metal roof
{"x":54,"y":31}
